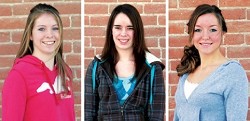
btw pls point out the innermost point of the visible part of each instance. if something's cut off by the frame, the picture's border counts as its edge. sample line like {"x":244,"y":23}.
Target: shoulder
{"x":153,"y":60}
{"x":233,"y":67}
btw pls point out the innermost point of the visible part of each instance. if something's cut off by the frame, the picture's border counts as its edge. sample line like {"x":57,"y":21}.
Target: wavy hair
{"x":191,"y":58}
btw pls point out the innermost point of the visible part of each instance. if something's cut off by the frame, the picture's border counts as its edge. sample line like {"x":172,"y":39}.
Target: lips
{"x":48,"y":42}
{"x":123,"y":41}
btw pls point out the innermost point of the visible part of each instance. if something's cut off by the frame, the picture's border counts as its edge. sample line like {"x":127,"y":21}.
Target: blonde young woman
{"x":38,"y":87}
{"x":211,"y":87}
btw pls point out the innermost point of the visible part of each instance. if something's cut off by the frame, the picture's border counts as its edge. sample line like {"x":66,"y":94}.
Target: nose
{"x":123,"y":32}
{"x":49,"y":34}
{"x":205,"y":35}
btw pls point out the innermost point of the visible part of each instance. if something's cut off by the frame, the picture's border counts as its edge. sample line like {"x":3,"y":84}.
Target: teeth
{"x":123,"y":40}
{"x":49,"y":43}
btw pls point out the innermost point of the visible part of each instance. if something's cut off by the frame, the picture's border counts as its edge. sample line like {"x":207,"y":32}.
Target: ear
{"x":31,"y":38}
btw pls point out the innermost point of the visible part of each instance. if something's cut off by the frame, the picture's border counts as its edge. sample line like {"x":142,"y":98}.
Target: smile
{"x":49,"y":42}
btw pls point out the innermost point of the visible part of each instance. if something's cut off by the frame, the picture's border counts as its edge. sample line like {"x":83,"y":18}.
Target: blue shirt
{"x":222,"y":96}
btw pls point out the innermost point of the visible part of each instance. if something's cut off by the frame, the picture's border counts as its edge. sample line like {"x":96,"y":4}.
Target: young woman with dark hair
{"x":125,"y":82}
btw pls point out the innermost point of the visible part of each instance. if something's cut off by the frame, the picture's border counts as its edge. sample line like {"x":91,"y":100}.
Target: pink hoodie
{"x":30,"y":93}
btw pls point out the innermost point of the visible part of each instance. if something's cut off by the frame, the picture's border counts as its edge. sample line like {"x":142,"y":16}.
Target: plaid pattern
{"x":102,"y":104}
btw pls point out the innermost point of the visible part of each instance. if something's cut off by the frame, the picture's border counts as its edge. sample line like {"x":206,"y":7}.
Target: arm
{"x":236,"y":100}
{"x":13,"y":97}
{"x":91,"y":97}
{"x":157,"y":108}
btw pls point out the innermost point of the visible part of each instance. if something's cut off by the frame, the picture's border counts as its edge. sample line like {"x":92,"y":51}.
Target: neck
{"x":47,"y":60}
{"x":126,"y":55}
{"x":210,"y":60}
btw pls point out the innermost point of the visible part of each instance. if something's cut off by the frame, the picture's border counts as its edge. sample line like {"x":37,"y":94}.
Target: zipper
{"x":122,"y":113}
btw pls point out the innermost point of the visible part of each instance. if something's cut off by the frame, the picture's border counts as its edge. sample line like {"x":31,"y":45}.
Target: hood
{"x":29,"y":59}
{"x":150,"y":59}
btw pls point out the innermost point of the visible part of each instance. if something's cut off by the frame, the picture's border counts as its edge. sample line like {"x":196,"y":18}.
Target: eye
{"x":131,"y":28}
{"x":117,"y":27}
{"x":213,"y":30}
{"x":55,"y":28}
{"x":197,"y":30}
{"x":41,"y":29}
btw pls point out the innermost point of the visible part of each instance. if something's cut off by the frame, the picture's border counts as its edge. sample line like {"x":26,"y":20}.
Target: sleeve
{"x":236,"y":97}
{"x":91,"y":97}
{"x":175,"y":116}
{"x":157,"y":108}
{"x":13,"y":97}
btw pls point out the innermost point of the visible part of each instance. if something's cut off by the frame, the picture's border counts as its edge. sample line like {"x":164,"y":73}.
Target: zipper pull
{"x":122,"y":110}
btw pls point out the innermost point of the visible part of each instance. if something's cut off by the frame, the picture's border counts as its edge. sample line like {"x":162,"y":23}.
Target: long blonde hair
{"x":26,"y":46}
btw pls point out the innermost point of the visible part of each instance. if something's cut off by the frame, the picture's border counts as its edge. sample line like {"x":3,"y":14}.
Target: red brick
{"x":178,"y":41}
{"x":99,"y":20}
{"x":245,"y":63}
{"x":22,"y":9}
{"x":175,"y":53}
{"x":180,"y":14}
{"x":151,"y":42}
{"x":4,"y":37}
{"x":149,"y":20}
{"x":157,"y":31}
{"x":86,"y":20}
{"x":233,"y":39}
{"x":95,"y":9}
{"x":172,"y":4}
{"x":97,"y":41}
{"x":192,"y":3}
{"x":7,"y":61}
{"x":238,"y":52}
{"x":89,"y":52}
{"x":8,"y":49}
{"x":5,"y":10}
{"x":176,"y":28}
{"x":67,"y":47}
{"x":94,"y":31}
{"x":154,"y":8}
{"x":76,"y":21}
{"x":238,"y":26}
{"x":173,"y":78}
{"x":240,"y":3}
{"x":162,"y":20}
{"x":73,"y":59}
{"x":77,"y":47}
{"x":12,"y":23}
{"x":17,"y":36}
{"x":72,"y":34}
{"x":71,"y":8}
{"x":234,"y":14}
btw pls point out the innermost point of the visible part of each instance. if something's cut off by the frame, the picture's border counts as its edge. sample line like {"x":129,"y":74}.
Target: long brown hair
{"x":109,"y":51}
{"x":26,"y":46}
{"x":191,"y":58}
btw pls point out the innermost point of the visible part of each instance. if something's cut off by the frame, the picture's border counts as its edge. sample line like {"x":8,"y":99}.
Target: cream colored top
{"x":189,"y":88}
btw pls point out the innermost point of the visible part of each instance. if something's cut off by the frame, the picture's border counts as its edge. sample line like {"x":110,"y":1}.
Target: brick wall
{"x":236,"y":44}
{"x":96,"y":15}
{"x":13,"y":15}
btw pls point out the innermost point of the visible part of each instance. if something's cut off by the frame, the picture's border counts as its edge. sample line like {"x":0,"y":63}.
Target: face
{"x":207,"y":34}
{"x":45,"y":36}
{"x":123,"y":32}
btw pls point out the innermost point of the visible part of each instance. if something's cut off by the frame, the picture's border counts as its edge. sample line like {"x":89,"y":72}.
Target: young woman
{"x":38,"y":87}
{"x":211,"y":87}
{"x":125,"y":82}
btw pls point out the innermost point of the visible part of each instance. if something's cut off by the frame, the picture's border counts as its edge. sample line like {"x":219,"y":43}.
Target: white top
{"x":189,"y":88}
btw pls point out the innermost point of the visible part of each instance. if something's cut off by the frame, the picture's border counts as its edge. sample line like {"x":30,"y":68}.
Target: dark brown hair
{"x":191,"y":59}
{"x":26,"y":46}
{"x":109,"y":52}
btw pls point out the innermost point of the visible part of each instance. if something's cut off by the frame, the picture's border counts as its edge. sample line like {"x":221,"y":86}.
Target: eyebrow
{"x":209,"y":26}
{"x":127,"y":26}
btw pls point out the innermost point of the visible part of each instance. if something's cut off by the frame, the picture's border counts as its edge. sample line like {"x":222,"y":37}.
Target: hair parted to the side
{"x":191,"y":59}
{"x":109,"y":51}
{"x":26,"y":45}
